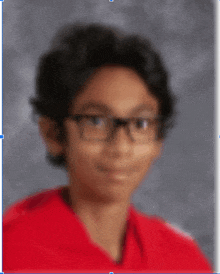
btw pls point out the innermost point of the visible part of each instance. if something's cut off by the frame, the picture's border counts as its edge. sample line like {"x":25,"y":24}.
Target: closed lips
{"x":116,"y":170}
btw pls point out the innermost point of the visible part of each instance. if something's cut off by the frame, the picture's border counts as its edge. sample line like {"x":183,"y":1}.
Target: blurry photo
{"x":109,"y":155}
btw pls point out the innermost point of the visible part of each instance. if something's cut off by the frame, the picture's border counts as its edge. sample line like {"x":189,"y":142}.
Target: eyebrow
{"x":105,"y":108}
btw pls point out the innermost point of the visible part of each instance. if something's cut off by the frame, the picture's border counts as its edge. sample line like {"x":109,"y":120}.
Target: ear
{"x":48,"y":132}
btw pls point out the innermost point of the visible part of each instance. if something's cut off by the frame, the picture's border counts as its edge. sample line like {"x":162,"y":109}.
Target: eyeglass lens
{"x":101,"y":128}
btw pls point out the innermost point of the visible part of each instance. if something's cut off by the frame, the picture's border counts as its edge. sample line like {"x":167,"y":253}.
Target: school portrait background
{"x":180,"y":186}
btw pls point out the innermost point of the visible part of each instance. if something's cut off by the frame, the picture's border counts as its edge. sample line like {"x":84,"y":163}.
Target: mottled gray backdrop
{"x":180,"y":187}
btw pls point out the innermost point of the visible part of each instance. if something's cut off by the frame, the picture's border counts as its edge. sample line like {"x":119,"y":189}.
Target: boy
{"x":105,"y":109}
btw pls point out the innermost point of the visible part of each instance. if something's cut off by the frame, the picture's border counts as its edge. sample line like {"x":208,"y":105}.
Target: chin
{"x":109,"y":196}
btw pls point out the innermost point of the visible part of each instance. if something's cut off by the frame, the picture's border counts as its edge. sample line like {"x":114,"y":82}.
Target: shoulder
{"x":159,"y":226}
{"x":30,"y":207}
{"x":162,"y":232}
{"x":169,"y":242}
{"x":42,"y":229}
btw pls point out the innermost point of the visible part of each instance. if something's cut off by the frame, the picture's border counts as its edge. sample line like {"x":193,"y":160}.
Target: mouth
{"x":116,"y":174}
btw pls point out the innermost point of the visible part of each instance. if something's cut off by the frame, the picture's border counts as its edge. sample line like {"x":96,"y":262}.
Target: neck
{"x":106,"y":222}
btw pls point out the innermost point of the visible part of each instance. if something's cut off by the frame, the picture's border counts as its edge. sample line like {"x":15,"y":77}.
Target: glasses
{"x":102,"y":128}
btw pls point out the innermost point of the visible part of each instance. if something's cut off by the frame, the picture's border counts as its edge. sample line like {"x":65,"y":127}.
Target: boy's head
{"x":77,"y":54}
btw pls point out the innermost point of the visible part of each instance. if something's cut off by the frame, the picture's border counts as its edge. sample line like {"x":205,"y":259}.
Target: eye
{"x":141,"y":123}
{"x":95,"y":121}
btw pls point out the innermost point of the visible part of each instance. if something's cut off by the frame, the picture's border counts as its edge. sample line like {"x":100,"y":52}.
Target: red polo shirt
{"x":42,"y":234}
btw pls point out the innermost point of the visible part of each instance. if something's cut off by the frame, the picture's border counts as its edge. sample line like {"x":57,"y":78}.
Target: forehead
{"x":119,"y":89}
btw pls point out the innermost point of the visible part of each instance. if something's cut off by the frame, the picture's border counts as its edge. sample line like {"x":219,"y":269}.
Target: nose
{"x":119,"y":141}
{"x":119,"y":138}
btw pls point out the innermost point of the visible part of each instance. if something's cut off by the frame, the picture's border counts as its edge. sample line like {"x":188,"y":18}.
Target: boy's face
{"x":110,"y":171}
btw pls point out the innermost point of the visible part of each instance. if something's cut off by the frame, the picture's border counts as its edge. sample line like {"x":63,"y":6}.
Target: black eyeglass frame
{"x":116,"y":121}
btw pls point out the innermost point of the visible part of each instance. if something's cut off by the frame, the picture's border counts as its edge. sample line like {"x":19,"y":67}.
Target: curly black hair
{"x":76,"y":52}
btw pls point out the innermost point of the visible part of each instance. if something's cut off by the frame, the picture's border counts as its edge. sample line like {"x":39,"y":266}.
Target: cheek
{"x":145,"y":156}
{"x":83,"y":157}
